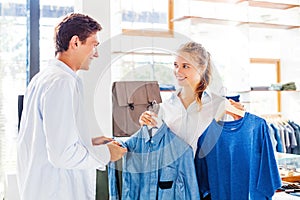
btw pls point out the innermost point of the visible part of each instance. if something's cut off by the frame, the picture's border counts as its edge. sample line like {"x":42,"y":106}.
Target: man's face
{"x":89,"y":51}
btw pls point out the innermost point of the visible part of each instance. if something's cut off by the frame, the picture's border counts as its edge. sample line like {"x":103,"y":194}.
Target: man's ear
{"x":74,"y":41}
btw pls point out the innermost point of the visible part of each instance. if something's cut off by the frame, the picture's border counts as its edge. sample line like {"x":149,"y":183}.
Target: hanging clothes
{"x":160,"y":167}
{"x":291,"y":134}
{"x":235,"y":160}
{"x":286,"y":133}
{"x":278,"y":145}
{"x":273,"y":138}
{"x":296,"y":128}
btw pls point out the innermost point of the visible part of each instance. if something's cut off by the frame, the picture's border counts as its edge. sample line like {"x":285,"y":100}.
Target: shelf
{"x":270,"y":25}
{"x":143,"y":53}
{"x":148,"y":33}
{"x":198,"y":19}
{"x":252,"y":23}
{"x":223,"y":1}
{"x":247,"y":91}
{"x":261,"y":4}
{"x":264,"y":4}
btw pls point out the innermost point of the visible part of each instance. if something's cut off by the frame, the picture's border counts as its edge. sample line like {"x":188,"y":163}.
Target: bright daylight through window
{"x":13,"y":61}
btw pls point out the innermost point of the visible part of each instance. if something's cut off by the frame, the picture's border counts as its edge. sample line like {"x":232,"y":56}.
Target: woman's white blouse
{"x":189,"y":123}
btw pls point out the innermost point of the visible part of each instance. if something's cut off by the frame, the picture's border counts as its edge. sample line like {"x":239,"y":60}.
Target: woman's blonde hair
{"x":201,"y":58}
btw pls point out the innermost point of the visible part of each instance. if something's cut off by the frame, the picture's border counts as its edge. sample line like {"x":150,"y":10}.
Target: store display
{"x":285,"y":134}
{"x":289,"y":166}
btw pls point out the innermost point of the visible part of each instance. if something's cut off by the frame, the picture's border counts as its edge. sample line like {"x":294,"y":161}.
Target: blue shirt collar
{"x":157,"y":136}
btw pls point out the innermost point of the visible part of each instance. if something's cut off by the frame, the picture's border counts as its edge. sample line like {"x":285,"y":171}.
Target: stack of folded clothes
{"x":259,"y":88}
{"x":280,"y":86}
{"x":276,"y":86}
{"x":289,"y":86}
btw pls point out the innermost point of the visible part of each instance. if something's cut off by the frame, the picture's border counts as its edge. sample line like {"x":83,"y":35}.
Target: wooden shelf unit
{"x":251,"y":3}
{"x":265,"y":4}
{"x":198,"y":19}
{"x":257,"y":3}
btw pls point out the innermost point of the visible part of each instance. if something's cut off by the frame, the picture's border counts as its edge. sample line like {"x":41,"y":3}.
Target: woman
{"x":193,"y":106}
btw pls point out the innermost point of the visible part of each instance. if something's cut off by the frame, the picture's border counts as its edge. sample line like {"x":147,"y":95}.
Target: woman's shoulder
{"x":173,"y":96}
{"x":215,"y":96}
{"x":211,"y":96}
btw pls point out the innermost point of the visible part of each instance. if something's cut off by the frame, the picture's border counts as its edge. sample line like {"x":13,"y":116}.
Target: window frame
{"x":154,"y":33}
{"x":276,"y":62}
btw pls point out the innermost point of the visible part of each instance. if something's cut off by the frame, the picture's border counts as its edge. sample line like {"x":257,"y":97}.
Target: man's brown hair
{"x":74,"y":24}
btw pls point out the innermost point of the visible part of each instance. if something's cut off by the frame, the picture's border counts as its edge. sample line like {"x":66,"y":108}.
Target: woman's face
{"x":187,"y":72}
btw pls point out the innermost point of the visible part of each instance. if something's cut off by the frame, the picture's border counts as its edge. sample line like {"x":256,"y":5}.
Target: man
{"x":55,"y":159}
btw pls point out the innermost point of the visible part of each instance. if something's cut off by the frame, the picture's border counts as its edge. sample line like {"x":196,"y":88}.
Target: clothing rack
{"x":271,"y":116}
{"x":284,"y":133}
{"x":274,"y":118}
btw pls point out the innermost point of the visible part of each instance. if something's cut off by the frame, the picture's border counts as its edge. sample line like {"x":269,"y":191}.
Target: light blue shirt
{"x":159,"y":167}
{"x":235,"y":160}
{"x":56,"y":159}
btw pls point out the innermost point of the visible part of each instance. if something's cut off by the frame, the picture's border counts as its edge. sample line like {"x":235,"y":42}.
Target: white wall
{"x":290,"y":71}
{"x":97,"y":81}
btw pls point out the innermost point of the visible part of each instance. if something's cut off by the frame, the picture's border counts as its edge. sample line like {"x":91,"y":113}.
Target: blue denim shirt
{"x":158,"y":167}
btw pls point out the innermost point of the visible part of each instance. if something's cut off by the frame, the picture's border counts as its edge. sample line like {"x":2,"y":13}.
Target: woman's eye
{"x":185,"y":66}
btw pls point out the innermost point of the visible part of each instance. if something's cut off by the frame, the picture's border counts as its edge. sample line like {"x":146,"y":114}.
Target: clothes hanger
{"x":275,"y":118}
{"x":225,"y":107}
{"x":155,"y":108}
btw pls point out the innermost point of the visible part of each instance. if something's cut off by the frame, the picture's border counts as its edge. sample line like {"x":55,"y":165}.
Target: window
{"x":153,"y":17}
{"x":13,"y":61}
{"x":12,"y":79}
{"x":50,"y":12}
{"x":263,"y":73}
{"x":144,"y":67}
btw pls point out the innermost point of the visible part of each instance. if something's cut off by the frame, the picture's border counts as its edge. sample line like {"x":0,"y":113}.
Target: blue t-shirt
{"x":235,"y":160}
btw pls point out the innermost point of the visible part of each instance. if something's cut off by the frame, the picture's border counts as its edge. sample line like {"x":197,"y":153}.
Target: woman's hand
{"x":237,"y":105}
{"x":147,"y":118}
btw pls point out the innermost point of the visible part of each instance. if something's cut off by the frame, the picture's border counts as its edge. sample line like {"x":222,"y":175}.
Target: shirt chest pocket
{"x":167,"y":177}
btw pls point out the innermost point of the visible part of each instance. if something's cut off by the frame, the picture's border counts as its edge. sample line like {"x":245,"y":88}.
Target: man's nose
{"x":96,"y":54}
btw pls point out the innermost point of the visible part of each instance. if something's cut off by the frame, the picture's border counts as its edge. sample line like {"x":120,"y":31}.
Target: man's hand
{"x":101,"y":140}
{"x":116,"y":151}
